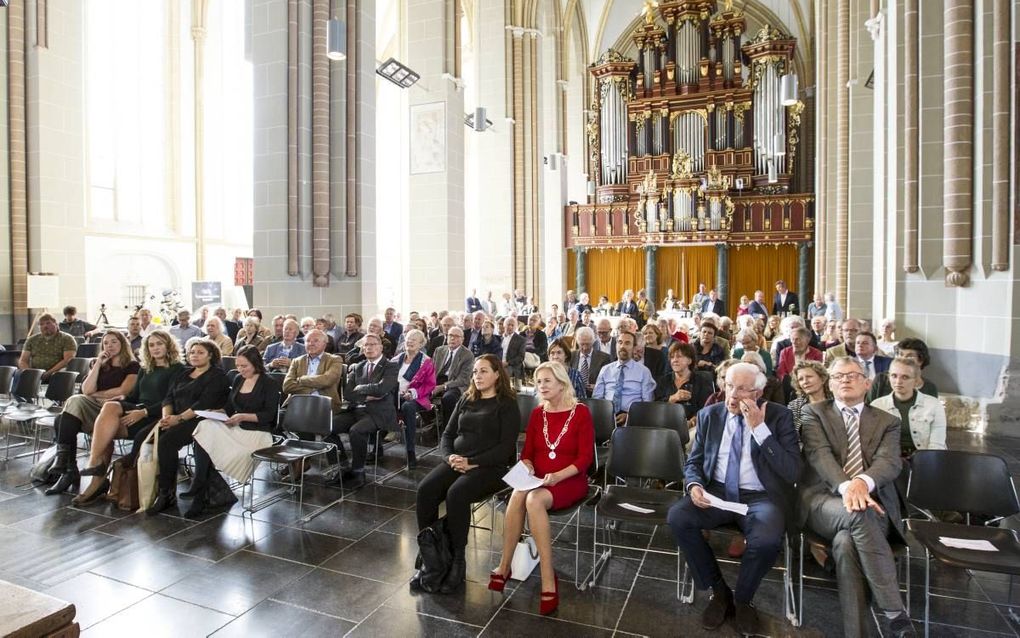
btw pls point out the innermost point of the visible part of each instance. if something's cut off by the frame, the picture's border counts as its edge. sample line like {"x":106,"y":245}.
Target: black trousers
{"x":171,"y":440}
{"x":459,"y":491}
{"x":359,"y":427}
{"x":449,"y":402}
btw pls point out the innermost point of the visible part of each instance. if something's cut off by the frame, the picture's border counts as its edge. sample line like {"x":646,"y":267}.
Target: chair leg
{"x":800,"y":584}
{"x":927,"y":590}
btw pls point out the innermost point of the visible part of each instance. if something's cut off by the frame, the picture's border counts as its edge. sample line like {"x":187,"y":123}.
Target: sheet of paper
{"x":968,"y":543}
{"x":520,"y":479}
{"x":636,"y":508}
{"x":718,"y":503}
{"x":215,"y":416}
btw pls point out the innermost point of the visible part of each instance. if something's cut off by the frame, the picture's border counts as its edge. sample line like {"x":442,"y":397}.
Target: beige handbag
{"x":148,"y":469}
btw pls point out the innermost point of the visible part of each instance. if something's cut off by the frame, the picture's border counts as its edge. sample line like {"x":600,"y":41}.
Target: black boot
{"x":68,"y":466}
{"x":454,"y":580}
{"x":64,"y":457}
{"x":203,"y":466}
{"x":164,"y":500}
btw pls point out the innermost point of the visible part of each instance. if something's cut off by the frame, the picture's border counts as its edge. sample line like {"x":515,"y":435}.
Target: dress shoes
{"x":719,"y":608}
{"x":353,"y":479}
{"x":747,"y":619}
{"x":901,"y":626}
{"x":164,"y":501}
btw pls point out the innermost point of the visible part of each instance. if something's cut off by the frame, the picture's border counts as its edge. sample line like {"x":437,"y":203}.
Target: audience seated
{"x":587,"y":359}
{"x":710,"y":354}
{"x":279,"y":354}
{"x":513,"y":349}
{"x":713,"y":304}
{"x":74,"y":326}
{"x":559,"y":351}
{"x":438,"y":336}
{"x":810,"y":382}
{"x":134,"y":334}
{"x":487,"y":341}
{"x":682,"y":384}
{"x":624,"y":381}
{"x":606,"y":341}
{"x":48,"y":350}
{"x":202,"y":385}
{"x":535,"y":341}
{"x":477,"y":444}
{"x":800,"y":350}
{"x":848,"y":333}
{"x":584,"y":304}
{"x":817,"y":307}
{"x":473,"y":328}
{"x":748,"y":341}
{"x":322,"y":324}
{"x":833,"y":311}
{"x":214,"y":331}
{"x":184,"y":331}
{"x":232,"y":327}
{"x":453,"y":372}
{"x":653,"y":358}
{"x":226,"y":446}
{"x":559,"y":445}
{"x":887,"y":337}
{"x":316,"y":371}
{"x":277,"y":335}
{"x":866,"y":347}
{"x":113,"y":374}
{"x":416,"y":379}
{"x":922,"y":417}
{"x":773,"y":390}
{"x":351,"y":334}
{"x":251,"y":335}
{"x":909,"y":348}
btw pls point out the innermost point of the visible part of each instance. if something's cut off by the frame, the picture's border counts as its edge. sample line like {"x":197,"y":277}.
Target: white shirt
{"x":869,"y":368}
{"x":506,"y":344}
{"x":748,"y":476}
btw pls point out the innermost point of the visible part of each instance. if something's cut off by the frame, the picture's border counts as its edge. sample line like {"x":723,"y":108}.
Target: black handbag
{"x":435,"y":556}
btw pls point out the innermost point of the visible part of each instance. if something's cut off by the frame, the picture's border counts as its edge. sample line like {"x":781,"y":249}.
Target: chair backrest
{"x":80,"y":365}
{"x":527,"y":404}
{"x":10,"y":357}
{"x":652,"y":453}
{"x":28,"y":384}
{"x":602,"y":417}
{"x":957,"y":481}
{"x":6,"y":378}
{"x":87,"y":350}
{"x":659,"y":414}
{"x":228,"y":363}
{"x":232,"y":375}
{"x":308,"y":414}
{"x":61,"y":386}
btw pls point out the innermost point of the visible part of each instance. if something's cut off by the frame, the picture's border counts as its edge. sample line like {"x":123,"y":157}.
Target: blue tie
{"x":733,"y":465}
{"x":618,"y":391}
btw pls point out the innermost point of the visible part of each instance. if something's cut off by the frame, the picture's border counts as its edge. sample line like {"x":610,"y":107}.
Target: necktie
{"x":446,"y":366}
{"x":585,"y":370}
{"x":867,"y":368}
{"x":369,"y":369}
{"x":854,"y":460}
{"x":733,"y":465}
{"x":618,"y":390}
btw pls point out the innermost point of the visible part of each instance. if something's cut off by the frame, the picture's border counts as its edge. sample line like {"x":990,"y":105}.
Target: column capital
{"x":651,"y":248}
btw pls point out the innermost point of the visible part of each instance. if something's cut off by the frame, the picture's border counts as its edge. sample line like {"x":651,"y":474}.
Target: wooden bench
{"x":28,"y":614}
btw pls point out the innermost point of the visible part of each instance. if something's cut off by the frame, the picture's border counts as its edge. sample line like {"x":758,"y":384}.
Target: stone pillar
{"x":804,"y":274}
{"x":722,"y":273}
{"x":650,"y":276}
{"x":842,"y":208}
{"x":911,"y":148}
{"x":581,"y":271}
{"x":958,"y":144}
{"x":1000,"y":134}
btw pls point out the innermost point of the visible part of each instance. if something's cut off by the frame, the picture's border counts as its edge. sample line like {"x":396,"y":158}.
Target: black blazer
{"x":701,"y":386}
{"x":515,"y":355}
{"x":435,"y":342}
{"x":718,"y":307}
{"x":655,"y":360}
{"x":756,"y":309}
{"x":207,"y":392}
{"x":381,"y":385}
{"x":598,"y":359}
{"x":263,"y":400}
{"x":494,"y":347}
{"x":628,"y":308}
{"x":541,"y":344}
{"x":791,"y":300}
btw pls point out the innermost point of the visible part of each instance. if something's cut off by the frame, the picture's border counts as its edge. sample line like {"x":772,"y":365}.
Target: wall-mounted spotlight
{"x":397,"y":73}
{"x":336,"y":40}
{"x":477,"y":120}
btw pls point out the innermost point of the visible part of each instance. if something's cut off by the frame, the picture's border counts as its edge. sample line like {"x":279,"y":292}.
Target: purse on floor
{"x":525,"y":559}
{"x":147,"y":469}
{"x":123,"y":485}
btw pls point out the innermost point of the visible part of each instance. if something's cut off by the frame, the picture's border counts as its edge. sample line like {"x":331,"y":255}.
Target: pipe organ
{"x":692,"y":131}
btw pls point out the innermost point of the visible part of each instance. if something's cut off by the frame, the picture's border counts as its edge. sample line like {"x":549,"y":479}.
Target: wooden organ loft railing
{"x":692,"y":142}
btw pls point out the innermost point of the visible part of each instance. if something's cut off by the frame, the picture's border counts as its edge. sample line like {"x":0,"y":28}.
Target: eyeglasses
{"x":733,"y":389}
{"x":849,"y":376}
{"x":604,"y":332}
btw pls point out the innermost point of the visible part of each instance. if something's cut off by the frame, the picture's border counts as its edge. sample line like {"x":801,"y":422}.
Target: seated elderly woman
{"x":226,"y":446}
{"x":251,"y":335}
{"x":417,"y":380}
{"x":216,"y":333}
{"x":559,"y":352}
{"x":202,"y":385}
{"x":489,"y":342}
{"x":799,"y":350}
{"x":749,"y":341}
{"x":682,"y":384}
{"x":535,"y":340}
{"x":126,"y":417}
{"x":559,"y":445}
{"x":113,"y":374}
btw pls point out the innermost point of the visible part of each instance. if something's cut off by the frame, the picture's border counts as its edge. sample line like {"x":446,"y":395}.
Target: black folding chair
{"x":228,"y":363}
{"x":970,"y":483}
{"x":604,"y":420}
{"x":87,"y":350}
{"x":28,"y":415}
{"x":7,"y":379}
{"x":644,"y":453}
{"x":660,"y":414}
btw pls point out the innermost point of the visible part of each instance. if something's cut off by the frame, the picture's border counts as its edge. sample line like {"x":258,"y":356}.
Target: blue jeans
{"x":409,"y":409}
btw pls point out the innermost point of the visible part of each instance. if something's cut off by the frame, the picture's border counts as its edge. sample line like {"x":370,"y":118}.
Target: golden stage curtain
{"x":612,"y":271}
{"x":758,"y":268}
{"x":682,"y":269}
{"x":571,"y":274}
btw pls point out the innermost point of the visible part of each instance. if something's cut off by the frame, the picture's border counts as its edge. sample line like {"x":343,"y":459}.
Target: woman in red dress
{"x":559,"y":445}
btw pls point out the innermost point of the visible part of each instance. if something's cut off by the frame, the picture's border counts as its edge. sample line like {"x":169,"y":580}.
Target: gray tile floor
{"x":346,"y":572}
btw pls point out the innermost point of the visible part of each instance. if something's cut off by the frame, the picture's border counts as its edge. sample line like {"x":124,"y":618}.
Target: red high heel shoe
{"x":550,"y":600}
{"x":498,"y":582}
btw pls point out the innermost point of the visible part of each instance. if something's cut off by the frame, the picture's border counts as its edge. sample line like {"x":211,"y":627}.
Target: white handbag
{"x":525,"y":559}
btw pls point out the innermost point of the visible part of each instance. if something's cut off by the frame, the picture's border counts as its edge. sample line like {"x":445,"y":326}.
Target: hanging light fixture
{"x":336,"y":40}
{"x":788,"y":89}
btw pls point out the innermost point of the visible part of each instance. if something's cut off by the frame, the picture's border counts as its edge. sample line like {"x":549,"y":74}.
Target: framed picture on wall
{"x":428,"y":138}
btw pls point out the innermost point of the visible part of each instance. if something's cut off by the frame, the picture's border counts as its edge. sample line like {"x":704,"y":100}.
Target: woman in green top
{"x":124,"y":416}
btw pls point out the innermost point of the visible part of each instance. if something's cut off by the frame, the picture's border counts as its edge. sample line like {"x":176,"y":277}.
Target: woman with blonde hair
{"x":810,"y":381}
{"x":251,"y":335}
{"x":559,"y":445}
{"x":113,"y":373}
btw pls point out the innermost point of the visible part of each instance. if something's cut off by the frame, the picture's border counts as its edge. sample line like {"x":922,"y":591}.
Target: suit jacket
{"x":756,"y":309}
{"x":881,"y":364}
{"x":434,"y":342}
{"x":628,"y":308}
{"x":459,"y":374}
{"x":381,"y":386}
{"x":326,"y":380}
{"x":655,"y":360}
{"x":824,"y":436}
{"x":718,"y":307}
{"x":276,"y":350}
{"x":835,"y":352}
{"x":777,"y":461}
{"x":514,"y":358}
{"x":612,"y":348}
{"x":598,"y":359}
{"x":791,"y":300}
{"x":472,"y":304}
{"x":396,"y":329}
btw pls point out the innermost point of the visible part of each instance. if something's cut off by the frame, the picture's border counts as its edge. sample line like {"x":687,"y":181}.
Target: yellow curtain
{"x":612,"y":271}
{"x":699,"y":267}
{"x":668,"y":272}
{"x":758,"y":268}
{"x":571,"y":272}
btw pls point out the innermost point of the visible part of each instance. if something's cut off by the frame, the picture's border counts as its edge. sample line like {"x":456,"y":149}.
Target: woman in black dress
{"x":682,"y":384}
{"x":226,"y":446}
{"x":478,"y":443}
{"x":202,"y":385}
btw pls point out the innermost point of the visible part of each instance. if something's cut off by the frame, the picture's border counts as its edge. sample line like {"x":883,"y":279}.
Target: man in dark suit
{"x":453,"y":370}
{"x":586,"y":359}
{"x":848,"y":495}
{"x":439,"y":339}
{"x":627,"y":306}
{"x":784,"y":299}
{"x":370,"y":391}
{"x":472,"y":304}
{"x":868,"y":354}
{"x":757,"y":307}
{"x":391,"y":326}
{"x":473,"y":329}
{"x":606,"y":342}
{"x":748,"y":453}
{"x":713,"y":304}
{"x":513,"y":349}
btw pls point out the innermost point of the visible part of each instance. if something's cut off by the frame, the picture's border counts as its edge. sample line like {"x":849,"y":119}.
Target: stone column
{"x":722,"y":274}
{"x":910,"y":136}
{"x":650,"y":275}
{"x":199,"y":13}
{"x":821,"y":143}
{"x":804,"y":274}
{"x":581,"y":270}
{"x":1000,"y":134}
{"x":958,"y":158}
{"x":842,"y":209}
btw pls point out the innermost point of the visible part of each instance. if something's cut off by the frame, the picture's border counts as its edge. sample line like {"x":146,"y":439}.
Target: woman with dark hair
{"x":477,"y":445}
{"x":910,"y":348}
{"x":202,"y":385}
{"x":681,"y":384}
{"x":113,"y":374}
{"x":226,"y":446}
{"x":560,"y":351}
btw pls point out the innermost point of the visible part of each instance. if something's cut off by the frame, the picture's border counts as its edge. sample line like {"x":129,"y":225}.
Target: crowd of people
{"x":798,"y":413}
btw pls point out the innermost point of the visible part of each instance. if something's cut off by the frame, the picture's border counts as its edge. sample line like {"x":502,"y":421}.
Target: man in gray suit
{"x":848,"y":494}
{"x":587,"y":358}
{"x":453,"y":370}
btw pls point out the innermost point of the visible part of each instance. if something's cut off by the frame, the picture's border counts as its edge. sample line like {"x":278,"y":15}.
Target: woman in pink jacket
{"x":417,"y":379}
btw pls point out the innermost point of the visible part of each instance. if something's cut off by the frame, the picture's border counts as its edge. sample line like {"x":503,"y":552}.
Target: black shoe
{"x":454,"y":580}
{"x":719,"y":609}
{"x":164,"y":501}
{"x":353,"y":479}
{"x":69,"y":479}
{"x":96,"y":489}
{"x":412,"y":460}
{"x":64,"y":459}
{"x":196,"y":488}
{"x":901,"y":626}
{"x":98,"y":470}
{"x":197,"y":508}
{"x":747,"y":619}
